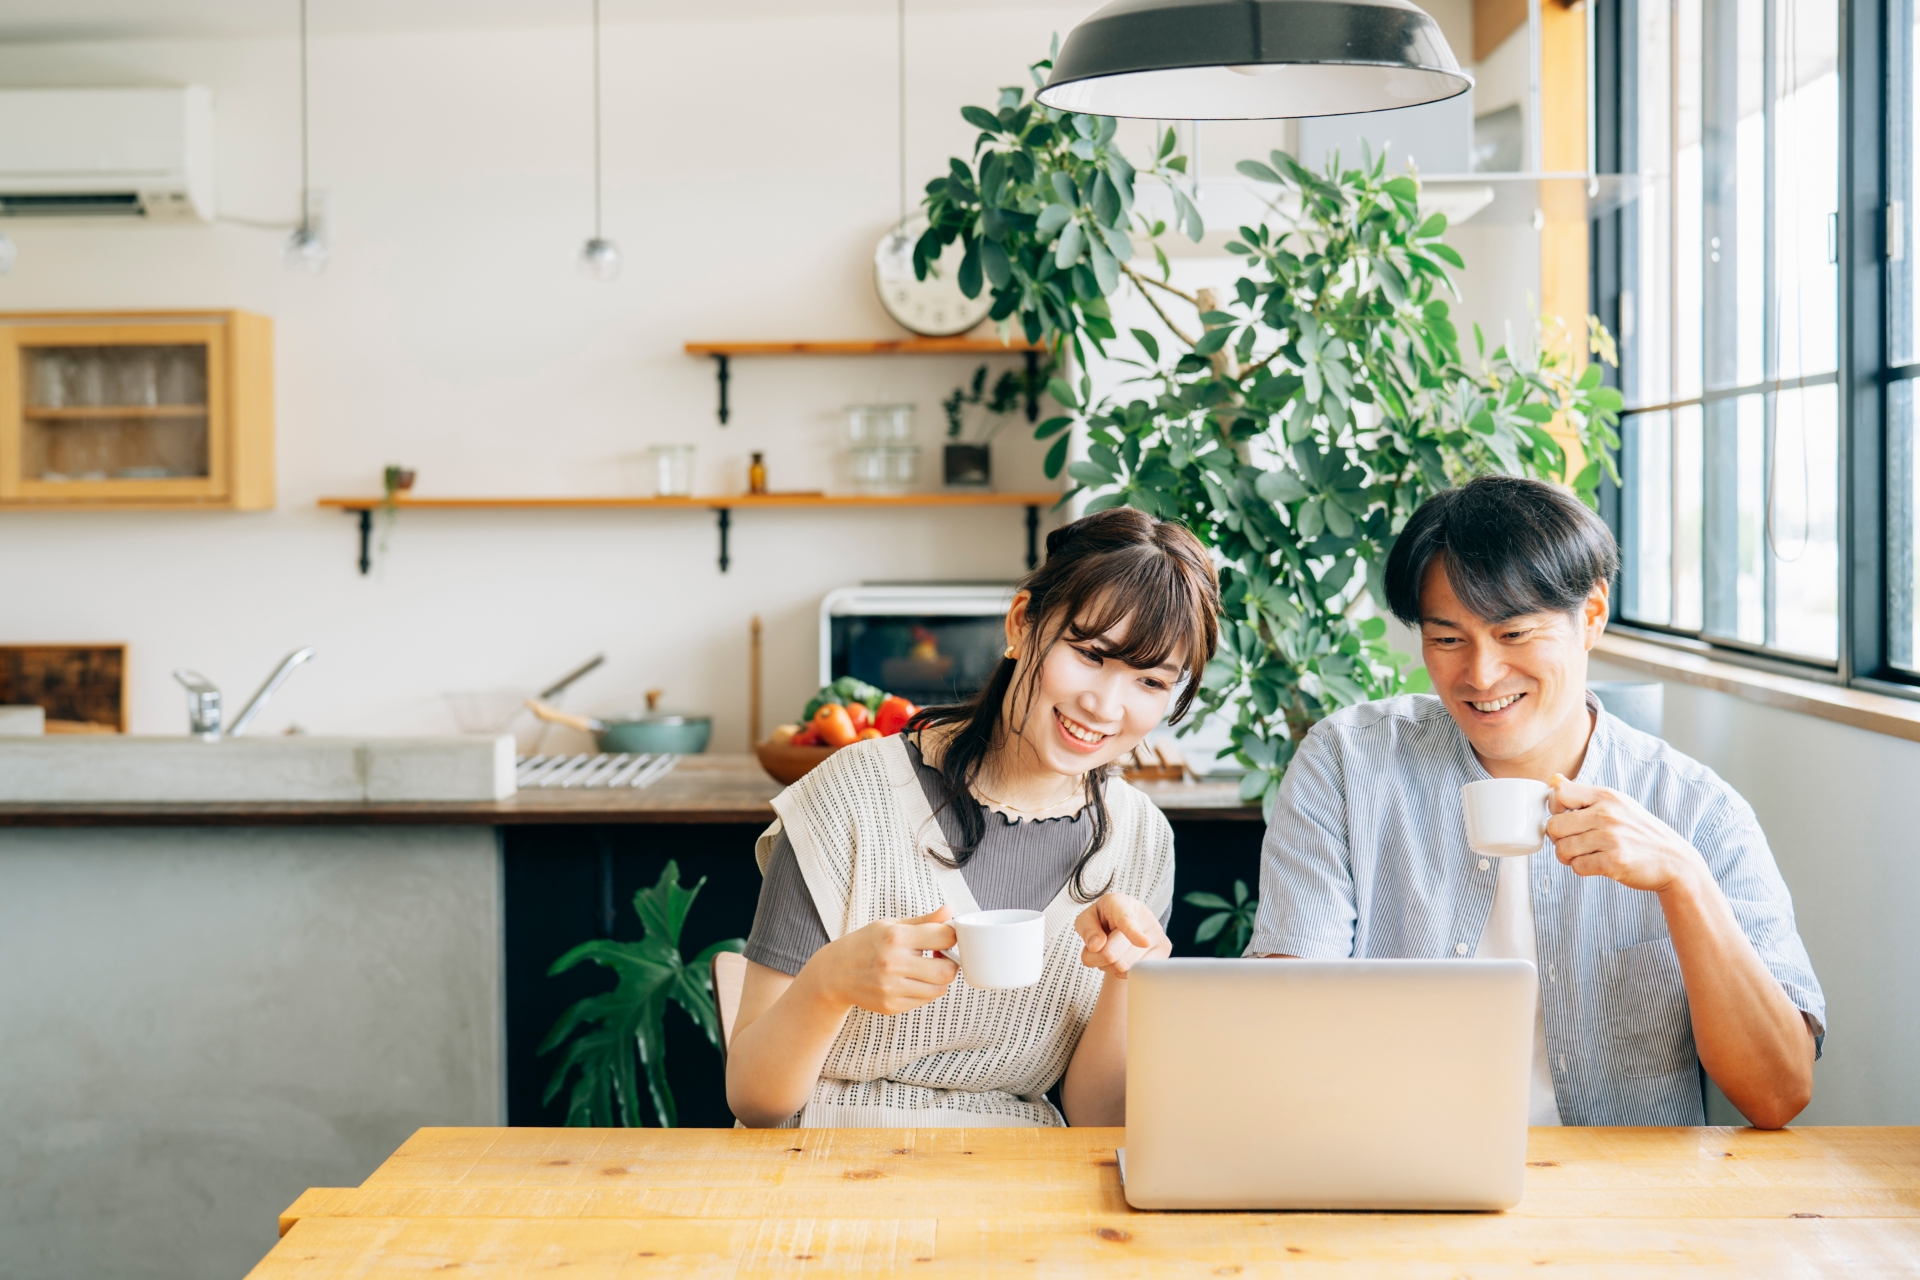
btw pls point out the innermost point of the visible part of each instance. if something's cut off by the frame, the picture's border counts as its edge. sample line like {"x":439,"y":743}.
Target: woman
{"x":850,"y":1016}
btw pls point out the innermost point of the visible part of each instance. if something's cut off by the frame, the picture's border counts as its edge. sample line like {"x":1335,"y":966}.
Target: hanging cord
{"x":596,"y":118}
{"x":900,"y":28}
{"x":306,"y":191}
{"x":1790,"y":57}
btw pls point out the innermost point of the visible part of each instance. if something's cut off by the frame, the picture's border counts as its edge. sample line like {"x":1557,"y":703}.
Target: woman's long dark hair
{"x":1118,"y":566}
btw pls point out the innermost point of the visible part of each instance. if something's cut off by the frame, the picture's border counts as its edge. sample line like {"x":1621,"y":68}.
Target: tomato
{"x":805,"y":738}
{"x":893,"y":715}
{"x":869,"y":733}
{"x":858,"y":713}
{"x":833,"y":725}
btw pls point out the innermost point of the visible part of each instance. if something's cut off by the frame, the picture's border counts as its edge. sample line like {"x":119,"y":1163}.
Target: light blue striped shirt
{"x":1367,"y":857}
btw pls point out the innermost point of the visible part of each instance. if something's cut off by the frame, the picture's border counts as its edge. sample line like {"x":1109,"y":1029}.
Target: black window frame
{"x":1863,"y":373}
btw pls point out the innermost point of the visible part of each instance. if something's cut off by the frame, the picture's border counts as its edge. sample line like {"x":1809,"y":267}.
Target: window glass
{"x":1728,"y":518}
{"x":1903,"y":530}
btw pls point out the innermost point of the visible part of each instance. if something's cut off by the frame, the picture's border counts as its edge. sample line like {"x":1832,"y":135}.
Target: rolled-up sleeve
{"x":1306,"y":870}
{"x":1728,"y":836}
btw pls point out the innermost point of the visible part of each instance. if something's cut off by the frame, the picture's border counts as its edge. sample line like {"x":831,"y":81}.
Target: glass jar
{"x":885,"y":468}
{"x":879,"y":425}
{"x":672,"y":470}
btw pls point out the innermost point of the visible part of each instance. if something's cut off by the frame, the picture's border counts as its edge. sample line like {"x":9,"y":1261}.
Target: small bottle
{"x":757,"y":474}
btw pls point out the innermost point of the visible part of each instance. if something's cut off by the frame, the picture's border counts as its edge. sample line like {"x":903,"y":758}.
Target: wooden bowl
{"x":788,"y":764}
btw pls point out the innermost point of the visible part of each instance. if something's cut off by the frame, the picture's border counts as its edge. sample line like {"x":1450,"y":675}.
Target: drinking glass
{"x":89,"y":378}
{"x":672,"y":470}
{"x":138,"y":378}
{"x":49,"y":380}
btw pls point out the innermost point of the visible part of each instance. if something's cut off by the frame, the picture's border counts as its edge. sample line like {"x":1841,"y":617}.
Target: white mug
{"x":1506,"y":817}
{"x":1000,"y":949}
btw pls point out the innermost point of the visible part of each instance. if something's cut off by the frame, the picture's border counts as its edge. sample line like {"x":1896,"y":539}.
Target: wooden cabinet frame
{"x":239,"y":409}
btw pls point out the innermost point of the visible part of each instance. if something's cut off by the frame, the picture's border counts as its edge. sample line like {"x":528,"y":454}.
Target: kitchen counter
{"x":715,"y":788}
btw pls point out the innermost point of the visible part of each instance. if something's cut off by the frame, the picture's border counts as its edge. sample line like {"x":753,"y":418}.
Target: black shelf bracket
{"x":726,"y":523}
{"x":1033,"y":537}
{"x":1033,"y":392}
{"x":366,"y":541}
{"x":723,"y":372}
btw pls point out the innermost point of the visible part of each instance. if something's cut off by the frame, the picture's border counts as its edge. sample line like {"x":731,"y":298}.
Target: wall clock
{"x":934,"y":307}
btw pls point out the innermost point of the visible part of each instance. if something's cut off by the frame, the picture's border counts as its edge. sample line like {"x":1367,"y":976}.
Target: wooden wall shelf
{"x":721,"y":505}
{"x":724,"y":352}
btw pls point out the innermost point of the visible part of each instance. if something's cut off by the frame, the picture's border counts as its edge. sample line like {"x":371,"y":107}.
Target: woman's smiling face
{"x":1082,"y":709}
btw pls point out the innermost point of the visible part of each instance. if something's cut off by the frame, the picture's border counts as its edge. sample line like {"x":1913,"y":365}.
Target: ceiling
{"x":26,"y":21}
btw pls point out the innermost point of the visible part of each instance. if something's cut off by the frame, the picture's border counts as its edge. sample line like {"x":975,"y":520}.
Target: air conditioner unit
{"x":107,"y":153}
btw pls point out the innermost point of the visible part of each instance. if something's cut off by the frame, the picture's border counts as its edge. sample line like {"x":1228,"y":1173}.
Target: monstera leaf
{"x":620,"y":1036}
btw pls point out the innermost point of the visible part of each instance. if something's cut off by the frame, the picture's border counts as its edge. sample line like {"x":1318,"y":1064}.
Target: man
{"x":1660,"y":927}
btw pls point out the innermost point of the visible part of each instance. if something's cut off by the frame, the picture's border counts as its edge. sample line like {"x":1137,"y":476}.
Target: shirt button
{"x":1459,"y":948}
{"x":1484,"y":864}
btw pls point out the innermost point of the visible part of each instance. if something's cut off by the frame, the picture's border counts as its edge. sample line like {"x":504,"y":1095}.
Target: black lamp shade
{"x":1252,"y":60}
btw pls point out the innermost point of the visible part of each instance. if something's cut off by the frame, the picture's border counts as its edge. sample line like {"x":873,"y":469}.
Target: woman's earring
{"x":1011,"y":654}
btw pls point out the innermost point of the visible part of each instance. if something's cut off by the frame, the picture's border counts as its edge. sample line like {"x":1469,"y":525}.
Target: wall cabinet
{"x":129,"y":410}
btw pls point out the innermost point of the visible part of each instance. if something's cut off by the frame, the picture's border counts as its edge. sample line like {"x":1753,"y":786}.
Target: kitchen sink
{"x":111,"y":768}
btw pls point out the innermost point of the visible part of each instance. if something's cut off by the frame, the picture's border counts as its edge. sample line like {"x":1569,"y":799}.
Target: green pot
{"x":654,"y":734}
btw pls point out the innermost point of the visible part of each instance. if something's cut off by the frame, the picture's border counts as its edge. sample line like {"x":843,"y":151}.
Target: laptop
{"x":1327,"y":1084}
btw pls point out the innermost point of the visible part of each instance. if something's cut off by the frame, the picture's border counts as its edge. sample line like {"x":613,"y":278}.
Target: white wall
{"x":1836,"y":805}
{"x":750,"y":170}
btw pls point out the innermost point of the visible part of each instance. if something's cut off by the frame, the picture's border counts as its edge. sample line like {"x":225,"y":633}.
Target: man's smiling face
{"x":1516,"y":687}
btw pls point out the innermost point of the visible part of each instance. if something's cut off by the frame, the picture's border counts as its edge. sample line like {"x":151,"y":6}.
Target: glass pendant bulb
{"x":7,"y":253}
{"x":600,"y":259}
{"x":306,"y":251}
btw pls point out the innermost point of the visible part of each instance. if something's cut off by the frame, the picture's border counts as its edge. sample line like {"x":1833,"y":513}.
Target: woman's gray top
{"x":1019,"y":865}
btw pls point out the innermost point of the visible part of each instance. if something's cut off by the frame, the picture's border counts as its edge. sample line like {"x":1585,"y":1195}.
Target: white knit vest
{"x":866,"y":839}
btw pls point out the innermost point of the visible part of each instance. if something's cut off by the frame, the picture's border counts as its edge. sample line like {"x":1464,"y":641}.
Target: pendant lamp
{"x":599,"y":257}
{"x":306,"y":249}
{"x":1252,"y":60}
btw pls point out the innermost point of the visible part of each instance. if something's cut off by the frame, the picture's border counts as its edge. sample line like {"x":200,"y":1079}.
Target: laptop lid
{"x":1328,"y":1084}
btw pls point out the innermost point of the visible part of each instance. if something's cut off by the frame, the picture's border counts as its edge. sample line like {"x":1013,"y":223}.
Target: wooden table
{"x":601,"y":1203}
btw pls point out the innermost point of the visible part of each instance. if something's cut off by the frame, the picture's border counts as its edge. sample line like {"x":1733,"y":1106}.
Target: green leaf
{"x":1072,"y":241}
{"x":1418,"y":681}
{"x":1052,"y":218}
{"x":1534,"y":412}
{"x":1280,"y":486}
{"x":617,"y":1036}
{"x":981,"y":118}
{"x":1436,"y":224}
{"x":1056,"y":457}
{"x":1105,"y":269}
{"x":968,"y":276}
{"x":1403,"y":189}
{"x":1259,"y":172}
{"x":1212,"y":925}
{"x":1147,"y":341}
{"x":1062,"y":393}
{"x":1187,"y":216}
{"x":1104,"y":199}
{"x":1373,"y":628}
{"x":994,"y":259}
{"x":1211,"y":341}
{"x":1207,"y":901}
{"x":1589,"y":377}
{"x":1448,"y":254}
{"x":1052,"y":426}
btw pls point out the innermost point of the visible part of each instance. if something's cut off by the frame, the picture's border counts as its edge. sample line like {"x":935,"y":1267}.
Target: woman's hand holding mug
{"x":890,"y":966}
{"x":1118,"y":932}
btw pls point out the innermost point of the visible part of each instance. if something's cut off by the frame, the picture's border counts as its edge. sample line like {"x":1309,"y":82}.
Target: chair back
{"x":729,"y":976}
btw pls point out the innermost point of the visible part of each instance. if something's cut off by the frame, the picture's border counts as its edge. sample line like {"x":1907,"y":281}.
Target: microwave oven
{"x":932,"y":643}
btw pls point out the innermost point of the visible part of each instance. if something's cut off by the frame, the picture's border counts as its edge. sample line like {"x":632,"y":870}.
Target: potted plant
{"x":968,"y":464}
{"x":1298,"y":418}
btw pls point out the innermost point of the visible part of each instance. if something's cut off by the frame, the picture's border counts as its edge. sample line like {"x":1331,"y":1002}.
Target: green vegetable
{"x":843,"y":691}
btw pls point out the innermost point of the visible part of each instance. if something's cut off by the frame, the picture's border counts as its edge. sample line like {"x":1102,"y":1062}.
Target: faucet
{"x":203,"y":699}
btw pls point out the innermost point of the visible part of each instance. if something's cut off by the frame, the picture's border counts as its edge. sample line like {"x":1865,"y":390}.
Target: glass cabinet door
{"x":106,"y":414}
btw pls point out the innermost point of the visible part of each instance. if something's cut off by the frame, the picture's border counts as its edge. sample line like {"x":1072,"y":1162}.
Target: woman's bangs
{"x":1149,"y":602}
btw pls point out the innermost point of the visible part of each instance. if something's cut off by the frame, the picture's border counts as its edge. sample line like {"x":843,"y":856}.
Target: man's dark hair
{"x":1511,"y":546}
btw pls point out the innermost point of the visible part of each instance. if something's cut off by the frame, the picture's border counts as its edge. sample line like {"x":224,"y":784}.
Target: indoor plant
{"x":627,"y":1024}
{"x":970,"y":462}
{"x":1302,"y":417}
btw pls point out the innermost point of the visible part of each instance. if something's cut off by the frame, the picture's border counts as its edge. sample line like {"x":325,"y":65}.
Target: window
{"x":1727,"y":308}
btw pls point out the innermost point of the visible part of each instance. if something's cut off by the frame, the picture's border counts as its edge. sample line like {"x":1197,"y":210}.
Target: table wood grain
{"x":706,"y":1202}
